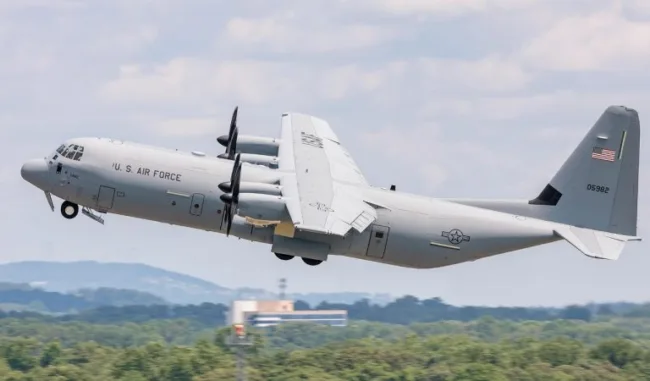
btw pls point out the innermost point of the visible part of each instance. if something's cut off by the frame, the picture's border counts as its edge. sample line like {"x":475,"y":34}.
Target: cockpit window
{"x":72,"y":152}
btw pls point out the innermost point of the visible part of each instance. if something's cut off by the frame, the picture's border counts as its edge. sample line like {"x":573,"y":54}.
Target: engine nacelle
{"x":258,"y":145}
{"x":269,"y":161}
{"x":260,"y":188}
{"x":262,"y":207}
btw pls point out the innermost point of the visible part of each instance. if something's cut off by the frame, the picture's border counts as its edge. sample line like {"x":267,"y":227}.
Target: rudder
{"x":597,"y":187}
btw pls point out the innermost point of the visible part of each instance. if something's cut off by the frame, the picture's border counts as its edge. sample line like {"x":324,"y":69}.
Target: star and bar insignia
{"x":455,"y":236}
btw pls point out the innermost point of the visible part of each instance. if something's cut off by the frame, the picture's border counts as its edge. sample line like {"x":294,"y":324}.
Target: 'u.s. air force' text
{"x":148,"y":172}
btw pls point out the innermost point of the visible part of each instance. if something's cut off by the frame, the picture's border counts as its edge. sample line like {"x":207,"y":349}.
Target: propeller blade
{"x":229,"y":226}
{"x":231,"y":148}
{"x":225,"y":139}
{"x":226,"y":215}
{"x":236,"y":184}
{"x":236,"y":167}
{"x":230,"y":198}
{"x":233,"y":120}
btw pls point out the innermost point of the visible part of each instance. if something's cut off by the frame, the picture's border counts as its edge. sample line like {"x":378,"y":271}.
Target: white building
{"x":265,"y":313}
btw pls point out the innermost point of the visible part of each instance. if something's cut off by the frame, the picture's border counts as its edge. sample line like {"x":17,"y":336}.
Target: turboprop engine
{"x":254,"y":149}
{"x":264,"y":208}
{"x":260,"y":204}
{"x":269,"y":161}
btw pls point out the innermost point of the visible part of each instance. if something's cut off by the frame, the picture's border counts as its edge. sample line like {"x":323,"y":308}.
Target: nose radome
{"x":35,"y":172}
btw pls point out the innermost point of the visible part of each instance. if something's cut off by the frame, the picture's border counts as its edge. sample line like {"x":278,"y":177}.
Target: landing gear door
{"x":196,"y":208}
{"x":378,"y":240}
{"x":105,"y":198}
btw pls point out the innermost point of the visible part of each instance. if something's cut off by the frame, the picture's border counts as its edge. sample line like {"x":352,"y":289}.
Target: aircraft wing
{"x":321,"y":179}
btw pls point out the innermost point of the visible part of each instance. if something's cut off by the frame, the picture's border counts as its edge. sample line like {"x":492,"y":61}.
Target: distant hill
{"x":23,"y":297}
{"x":173,"y":287}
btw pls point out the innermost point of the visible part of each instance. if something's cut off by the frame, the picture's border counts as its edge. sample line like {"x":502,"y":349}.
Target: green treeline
{"x":405,"y":310}
{"x":485,"y":349}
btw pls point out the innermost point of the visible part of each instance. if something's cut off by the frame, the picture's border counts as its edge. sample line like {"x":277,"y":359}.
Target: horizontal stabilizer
{"x":594,"y":243}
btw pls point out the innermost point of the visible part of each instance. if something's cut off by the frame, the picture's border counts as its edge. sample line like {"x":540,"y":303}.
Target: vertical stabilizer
{"x":597,"y":187}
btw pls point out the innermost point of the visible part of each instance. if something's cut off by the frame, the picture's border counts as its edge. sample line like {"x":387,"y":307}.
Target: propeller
{"x":230,"y":197}
{"x":230,"y":141}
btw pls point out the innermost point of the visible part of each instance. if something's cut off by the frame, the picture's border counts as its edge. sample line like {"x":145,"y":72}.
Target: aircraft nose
{"x":36,"y":173}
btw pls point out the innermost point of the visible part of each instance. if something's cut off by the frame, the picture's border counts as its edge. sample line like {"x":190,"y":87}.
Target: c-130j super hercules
{"x":304,"y":195}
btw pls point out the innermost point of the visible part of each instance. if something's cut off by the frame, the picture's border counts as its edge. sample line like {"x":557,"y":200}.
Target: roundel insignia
{"x":455,"y":236}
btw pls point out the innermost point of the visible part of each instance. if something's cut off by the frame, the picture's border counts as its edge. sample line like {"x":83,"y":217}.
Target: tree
{"x":619,"y":352}
{"x":19,"y":354}
{"x":51,"y":354}
{"x":560,"y":352}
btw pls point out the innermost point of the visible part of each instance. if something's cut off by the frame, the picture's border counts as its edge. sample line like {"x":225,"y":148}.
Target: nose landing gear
{"x":69,"y":210}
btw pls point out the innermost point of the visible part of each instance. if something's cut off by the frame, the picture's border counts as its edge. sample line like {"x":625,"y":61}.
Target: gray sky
{"x":448,"y":98}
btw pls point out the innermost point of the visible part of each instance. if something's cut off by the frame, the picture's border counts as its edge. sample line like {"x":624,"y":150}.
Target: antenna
{"x":283,"y":288}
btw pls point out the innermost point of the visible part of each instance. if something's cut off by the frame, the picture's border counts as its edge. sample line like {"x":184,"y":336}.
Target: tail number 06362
{"x":597,"y":188}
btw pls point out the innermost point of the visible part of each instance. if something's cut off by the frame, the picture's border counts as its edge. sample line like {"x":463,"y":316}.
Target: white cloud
{"x":637,"y":6}
{"x":599,"y":41}
{"x":543,"y":104}
{"x":447,"y":7}
{"x":188,"y":80}
{"x":186,"y":126}
{"x":130,"y":39}
{"x":492,"y":73}
{"x":288,"y":32}
{"x":345,"y":81}
{"x":418,"y":149}
{"x":9,"y":5}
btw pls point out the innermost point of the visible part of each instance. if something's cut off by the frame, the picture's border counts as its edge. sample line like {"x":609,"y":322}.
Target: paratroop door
{"x":197,"y":204}
{"x":105,"y":198}
{"x":378,"y":240}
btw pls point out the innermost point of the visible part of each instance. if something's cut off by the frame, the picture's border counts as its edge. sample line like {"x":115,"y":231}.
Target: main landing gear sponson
{"x":69,"y":210}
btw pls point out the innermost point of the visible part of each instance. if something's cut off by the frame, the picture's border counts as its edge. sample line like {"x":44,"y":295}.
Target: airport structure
{"x":267,"y":313}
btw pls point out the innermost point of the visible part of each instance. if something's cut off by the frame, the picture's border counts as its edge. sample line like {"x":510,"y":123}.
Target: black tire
{"x":66,"y":205}
{"x":312,"y":262}
{"x":284,"y":257}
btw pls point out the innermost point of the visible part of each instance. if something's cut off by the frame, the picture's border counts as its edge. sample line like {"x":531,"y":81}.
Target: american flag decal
{"x":603,"y":154}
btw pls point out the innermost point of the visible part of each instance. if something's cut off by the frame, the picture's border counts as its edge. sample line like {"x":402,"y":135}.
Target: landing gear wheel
{"x":312,"y":262}
{"x":284,"y":257}
{"x":69,"y":210}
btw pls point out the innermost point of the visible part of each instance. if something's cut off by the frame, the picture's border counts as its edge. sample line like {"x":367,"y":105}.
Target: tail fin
{"x":597,"y":187}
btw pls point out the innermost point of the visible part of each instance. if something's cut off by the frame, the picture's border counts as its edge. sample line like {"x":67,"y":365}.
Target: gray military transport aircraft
{"x":304,"y":195}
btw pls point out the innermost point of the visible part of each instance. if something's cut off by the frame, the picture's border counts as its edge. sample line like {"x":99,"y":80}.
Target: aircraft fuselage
{"x":181,"y":188}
